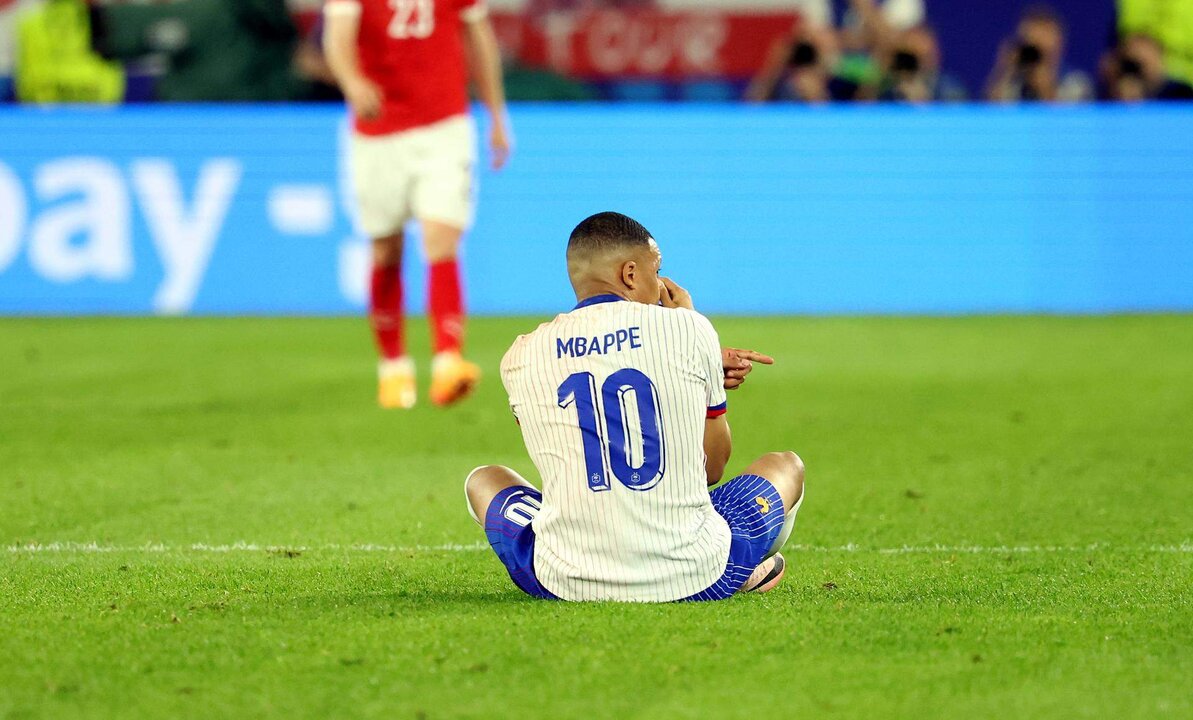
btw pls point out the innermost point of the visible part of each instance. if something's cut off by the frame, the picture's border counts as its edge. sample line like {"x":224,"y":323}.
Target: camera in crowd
{"x":1028,"y":56}
{"x":905,"y":62}
{"x":1134,"y":71}
{"x":803,"y":55}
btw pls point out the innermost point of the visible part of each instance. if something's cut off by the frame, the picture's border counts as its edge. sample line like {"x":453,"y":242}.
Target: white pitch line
{"x":247,"y":547}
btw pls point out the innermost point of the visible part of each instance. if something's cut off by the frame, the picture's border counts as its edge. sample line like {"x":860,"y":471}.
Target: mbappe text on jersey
{"x":622,"y":339}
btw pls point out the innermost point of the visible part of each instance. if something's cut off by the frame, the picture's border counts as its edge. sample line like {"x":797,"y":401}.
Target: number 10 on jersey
{"x":611,"y":441}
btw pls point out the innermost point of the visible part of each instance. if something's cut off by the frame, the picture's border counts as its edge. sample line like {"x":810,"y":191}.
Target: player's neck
{"x":598,"y":290}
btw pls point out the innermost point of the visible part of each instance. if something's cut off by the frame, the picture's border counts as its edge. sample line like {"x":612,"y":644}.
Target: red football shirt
{"x":413,"y":50}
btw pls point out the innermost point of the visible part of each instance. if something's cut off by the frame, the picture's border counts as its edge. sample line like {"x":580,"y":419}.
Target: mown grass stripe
{"x":69,"y":547}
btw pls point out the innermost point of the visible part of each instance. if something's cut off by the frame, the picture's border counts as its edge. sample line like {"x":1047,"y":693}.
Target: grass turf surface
{"x":998,"y":524}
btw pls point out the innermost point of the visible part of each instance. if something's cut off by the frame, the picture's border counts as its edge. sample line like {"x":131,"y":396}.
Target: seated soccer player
{"x":622,"y":407}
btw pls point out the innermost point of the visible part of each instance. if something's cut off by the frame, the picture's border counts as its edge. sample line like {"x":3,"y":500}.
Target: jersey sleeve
{"x":473,"y":10}
{"x":708,"y":348}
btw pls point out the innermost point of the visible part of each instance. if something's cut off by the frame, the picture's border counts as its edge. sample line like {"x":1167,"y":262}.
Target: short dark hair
{"x":607,"y":231}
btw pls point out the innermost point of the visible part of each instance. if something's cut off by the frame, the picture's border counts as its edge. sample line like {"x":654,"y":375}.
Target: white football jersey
{"x":612,"y":399}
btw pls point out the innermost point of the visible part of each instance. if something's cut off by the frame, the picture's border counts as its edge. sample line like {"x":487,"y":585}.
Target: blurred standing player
{"x":403,"y":67}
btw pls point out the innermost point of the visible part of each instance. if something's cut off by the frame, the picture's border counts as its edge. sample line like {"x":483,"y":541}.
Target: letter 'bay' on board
{"x":77,"y":222}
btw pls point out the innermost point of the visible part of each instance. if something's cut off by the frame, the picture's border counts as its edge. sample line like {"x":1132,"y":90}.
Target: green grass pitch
{"x":210,"y":518}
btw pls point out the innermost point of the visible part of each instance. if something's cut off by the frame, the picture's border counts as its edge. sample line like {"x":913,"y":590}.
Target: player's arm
{"x":718,"y":446}
{"x":718,"y":441}
{"x":485,"y":60}
{"x":341,"y":27}
{"x":762,"y":85}
{"x":878,"y":31}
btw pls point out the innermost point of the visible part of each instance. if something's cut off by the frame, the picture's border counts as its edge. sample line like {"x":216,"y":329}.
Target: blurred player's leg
{"x":445,"y":297}
{"x":452,"y":377}
{"x":395,"y":381}
{"x":443,"y":203}
{"x":381,"y":185}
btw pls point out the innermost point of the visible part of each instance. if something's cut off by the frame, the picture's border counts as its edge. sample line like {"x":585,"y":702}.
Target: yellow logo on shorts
{"x":763,"y":503}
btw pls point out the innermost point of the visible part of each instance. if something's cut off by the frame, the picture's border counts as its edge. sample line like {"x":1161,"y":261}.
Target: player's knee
{"x":439,"y":249}
{"x":488,"y":480}
{"x":797,"y":465}
{"x":480,"y":479}
{"x":387,"y":251}
{"x":792,"y":467}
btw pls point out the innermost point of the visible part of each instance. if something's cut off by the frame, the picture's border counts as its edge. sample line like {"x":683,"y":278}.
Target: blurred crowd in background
{"x":805,"y":51}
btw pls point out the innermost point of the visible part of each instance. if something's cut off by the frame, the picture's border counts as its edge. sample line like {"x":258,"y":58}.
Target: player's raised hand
{"x":500,"y":145}
{"x":672,"y":295}
{"x":738,"y":363}
{"x":364,"y":96}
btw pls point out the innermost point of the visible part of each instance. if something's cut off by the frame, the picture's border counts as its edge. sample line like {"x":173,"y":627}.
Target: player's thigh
{"x":784,"y":470}
{"x":485,"y":483}
{"x":443,"y":189}
{"x":381,"y":183}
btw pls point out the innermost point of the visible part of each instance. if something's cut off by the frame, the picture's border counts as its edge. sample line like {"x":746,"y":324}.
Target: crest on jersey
{"x":763,"y":504}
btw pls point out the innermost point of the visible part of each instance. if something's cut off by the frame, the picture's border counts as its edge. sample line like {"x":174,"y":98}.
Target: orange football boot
{"x":396,"y":389}
{"x":452,"y":378}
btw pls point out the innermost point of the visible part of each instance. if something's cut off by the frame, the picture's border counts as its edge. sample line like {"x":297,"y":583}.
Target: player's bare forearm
{"x":718,"y":446}
{"x":485,"y":58}
{"x":339,"y":47}
{"x":762,"y":86}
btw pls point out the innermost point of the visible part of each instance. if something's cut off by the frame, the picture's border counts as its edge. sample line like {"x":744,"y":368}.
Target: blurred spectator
{"x":909,"y":58}
{"x":244,"y":50}
{"x":1170,"y":22}
{"x":1134,"y":71}
{"x":817,"y":63}
{"x":913,"y":74}
{"x":899,"y":14}
{"x":800,"y":67}
{"x":1029,"y":65}
{"x":54,"y":60}
{"x":9,"y":9}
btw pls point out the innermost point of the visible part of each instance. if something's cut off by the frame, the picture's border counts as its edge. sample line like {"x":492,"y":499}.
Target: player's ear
{"x":629,"y":274}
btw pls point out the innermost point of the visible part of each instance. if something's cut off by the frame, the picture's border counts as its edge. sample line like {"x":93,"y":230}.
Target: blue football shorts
{"x":750,"y":505}
{"x":753,"y":509}
{"x":508,"y":527}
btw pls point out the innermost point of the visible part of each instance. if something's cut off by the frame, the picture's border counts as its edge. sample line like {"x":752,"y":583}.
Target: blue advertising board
{"x":245,"y":209}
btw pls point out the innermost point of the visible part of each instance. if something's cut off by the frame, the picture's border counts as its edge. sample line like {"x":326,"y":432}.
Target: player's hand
{"x":673,"y":296}
{"x":364,"y":97}
{"x":500,"y":145}
{"x":738,"y":363}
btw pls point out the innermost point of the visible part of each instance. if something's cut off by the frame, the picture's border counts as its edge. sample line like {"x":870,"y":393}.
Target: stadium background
{"x":760,"y":210}
{"x":209,"y":516}
{"x":241,"y":209}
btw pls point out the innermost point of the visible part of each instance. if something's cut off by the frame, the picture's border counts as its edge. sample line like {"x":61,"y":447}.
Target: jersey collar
{"x":598,"y":299}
